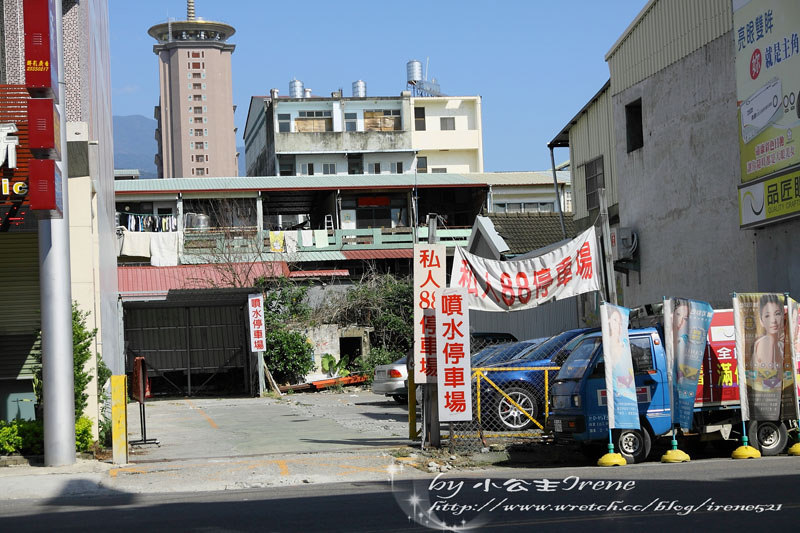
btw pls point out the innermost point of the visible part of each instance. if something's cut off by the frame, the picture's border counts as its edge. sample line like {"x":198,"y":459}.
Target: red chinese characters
{"x":454,"y":371}
{"x":429,"y":278}
{"x":255,"y":312}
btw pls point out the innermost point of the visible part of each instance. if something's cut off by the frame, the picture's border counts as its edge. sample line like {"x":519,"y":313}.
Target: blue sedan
{"x":524,"y":387}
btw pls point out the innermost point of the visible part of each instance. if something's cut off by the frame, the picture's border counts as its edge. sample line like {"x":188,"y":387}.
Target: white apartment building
{"x":308,"y":135}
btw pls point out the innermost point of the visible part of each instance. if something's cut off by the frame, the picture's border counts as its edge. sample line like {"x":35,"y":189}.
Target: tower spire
{"x":189,"y":9}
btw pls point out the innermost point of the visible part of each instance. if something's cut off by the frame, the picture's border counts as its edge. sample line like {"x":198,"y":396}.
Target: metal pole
{"x":558,"y":195}
{"x":188,"y":353}
{"x":58,"y":383}
{"x":611,"y":284}
{"x":432,"y":398}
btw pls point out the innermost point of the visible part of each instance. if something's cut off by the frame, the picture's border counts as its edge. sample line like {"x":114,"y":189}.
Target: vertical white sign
{"x":255,"y":313}
{"x":430,"y":261}
{"x":453,"y":353}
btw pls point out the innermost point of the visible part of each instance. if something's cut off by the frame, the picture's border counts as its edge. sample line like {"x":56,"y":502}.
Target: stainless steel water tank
{"x":295,"y":89}
{"x":359,"y":89}
{"x":413,"y":71}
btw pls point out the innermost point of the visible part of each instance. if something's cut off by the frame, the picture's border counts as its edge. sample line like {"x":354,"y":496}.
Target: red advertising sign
{"x":718,"y":381}
{"x":45,"y":186}
{"x":41,"y":48}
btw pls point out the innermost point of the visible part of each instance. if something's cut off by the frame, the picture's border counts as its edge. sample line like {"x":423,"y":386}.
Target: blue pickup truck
{"x":580,"y":411}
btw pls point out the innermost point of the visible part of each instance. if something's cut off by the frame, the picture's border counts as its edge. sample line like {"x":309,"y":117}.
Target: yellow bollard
{"x":119,"y":419}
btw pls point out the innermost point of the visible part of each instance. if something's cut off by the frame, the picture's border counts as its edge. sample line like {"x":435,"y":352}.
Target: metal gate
{"x":193,"y":350}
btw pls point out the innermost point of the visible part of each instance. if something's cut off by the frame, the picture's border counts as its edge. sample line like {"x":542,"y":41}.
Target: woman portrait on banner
{"x":767,"y":357}
{"x":680,"y":331}
{"x":618,"y":357}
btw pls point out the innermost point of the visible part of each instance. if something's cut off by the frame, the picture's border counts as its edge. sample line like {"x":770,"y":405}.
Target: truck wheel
{"x":633,"y":444}
{"x":767,"y":437}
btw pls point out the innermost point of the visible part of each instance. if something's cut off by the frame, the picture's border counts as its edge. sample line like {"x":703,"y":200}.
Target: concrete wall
{"x":778,"y":263}
{"x":679,"y":190}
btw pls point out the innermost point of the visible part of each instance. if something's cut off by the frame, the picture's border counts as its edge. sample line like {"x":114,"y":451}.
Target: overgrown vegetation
{"x":287,"y":353}
{"x":376,"y":357}
{"x":383,"y":302}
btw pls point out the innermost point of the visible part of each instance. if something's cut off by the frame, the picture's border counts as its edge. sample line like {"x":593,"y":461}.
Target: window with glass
{"x":308,"y":169}
{"x":594,"y":181}
{"x":397,"y":167}
{"x":351,"y":122}
{"x":447,"y":123}
{"x":284,"y":122}
{"x":329,"y":168}
{"x":419,"y":118}
{"x":422,"y":165}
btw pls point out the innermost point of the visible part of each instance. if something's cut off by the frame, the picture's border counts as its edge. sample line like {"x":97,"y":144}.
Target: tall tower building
{"x":196,"y":134}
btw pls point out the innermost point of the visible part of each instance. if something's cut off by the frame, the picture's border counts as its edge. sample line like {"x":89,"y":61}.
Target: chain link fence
{"x":510,"y":390}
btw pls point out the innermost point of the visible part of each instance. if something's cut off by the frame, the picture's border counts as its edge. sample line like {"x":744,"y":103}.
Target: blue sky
{"x":534,"y":62}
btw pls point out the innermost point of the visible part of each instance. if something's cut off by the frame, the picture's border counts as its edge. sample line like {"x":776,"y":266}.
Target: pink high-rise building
{"x":196,"y":134}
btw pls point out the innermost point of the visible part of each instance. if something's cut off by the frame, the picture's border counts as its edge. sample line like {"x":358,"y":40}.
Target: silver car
{"x":392,"y":380}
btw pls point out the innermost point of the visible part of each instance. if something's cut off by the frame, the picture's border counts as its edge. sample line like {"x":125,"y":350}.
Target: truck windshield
{"x":575,"y":365}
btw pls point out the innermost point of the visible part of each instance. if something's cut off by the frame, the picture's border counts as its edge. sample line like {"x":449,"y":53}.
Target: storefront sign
{"x":453,"y":356}
{"x":769,"y":200}
{"x":429,"y":276}
{"x":513,"y":285}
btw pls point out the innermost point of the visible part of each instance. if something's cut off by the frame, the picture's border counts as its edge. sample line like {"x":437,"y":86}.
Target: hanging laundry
{"x":291,"y":241}
{"x":307,"y":238}
{"x":321,"y":238}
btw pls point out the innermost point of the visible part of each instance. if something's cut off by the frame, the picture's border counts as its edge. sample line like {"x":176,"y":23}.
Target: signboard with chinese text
{"x":41,"y":48}
{"x":513,"y":285}
{"x":718,"y":382}
{"x":770,"y":199}
{"x":453,"y":356}
{"x":430,"y":275}
{"x":767,"y":59}
{"x":686,"y":324}
{"x":255,"y":313}
{"x":763,"y":354}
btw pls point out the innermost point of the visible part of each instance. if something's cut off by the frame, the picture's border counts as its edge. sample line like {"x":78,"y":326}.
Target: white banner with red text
{"x":493,"y":285}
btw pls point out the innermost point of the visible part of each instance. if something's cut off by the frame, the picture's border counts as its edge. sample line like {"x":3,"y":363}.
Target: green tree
{"x":82,"y":338}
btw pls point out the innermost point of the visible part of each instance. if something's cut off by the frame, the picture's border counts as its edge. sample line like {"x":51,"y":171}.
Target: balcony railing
{"x":247,"y":240}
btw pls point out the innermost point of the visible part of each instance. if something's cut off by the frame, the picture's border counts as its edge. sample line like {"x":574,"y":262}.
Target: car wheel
{"x":511,"y":418}
{"x":767,"y":437}
{"x":633,"y":444}
{"x":402,"y":400}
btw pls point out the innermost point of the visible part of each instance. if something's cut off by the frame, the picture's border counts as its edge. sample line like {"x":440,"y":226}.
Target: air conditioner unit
{"x":624,"y":242}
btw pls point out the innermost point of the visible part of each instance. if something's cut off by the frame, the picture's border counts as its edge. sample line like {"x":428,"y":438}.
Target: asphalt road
{"x":711,"y":495}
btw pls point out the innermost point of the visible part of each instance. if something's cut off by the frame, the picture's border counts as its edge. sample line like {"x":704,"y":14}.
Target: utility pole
{"x":55,"y":291}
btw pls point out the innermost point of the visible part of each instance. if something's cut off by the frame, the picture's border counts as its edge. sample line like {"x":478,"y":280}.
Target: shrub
{"x":26,"y":437}
{"x":376,"y":357}
{"x":288,"y":355}
{"x":82,"y":339}
{"x":10,"y":440}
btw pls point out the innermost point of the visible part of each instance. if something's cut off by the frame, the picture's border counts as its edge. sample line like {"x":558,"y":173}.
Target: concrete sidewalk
{"x":237,"y":443}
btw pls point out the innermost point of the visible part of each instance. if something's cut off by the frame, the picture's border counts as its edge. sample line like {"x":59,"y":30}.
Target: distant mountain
{"x":135,"y":144}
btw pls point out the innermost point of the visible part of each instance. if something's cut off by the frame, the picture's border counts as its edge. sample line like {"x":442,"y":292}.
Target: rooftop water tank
{"x":359,"y":89}
{"x":413,"y":71}
{"x":295,"y":89}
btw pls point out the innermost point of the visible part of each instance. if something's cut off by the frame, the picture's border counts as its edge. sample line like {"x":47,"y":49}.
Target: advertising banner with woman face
{"x":623,"y":411}
{"x":686,"y":324}
{"x":761,"y":333}
{"x":791,"y":375}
